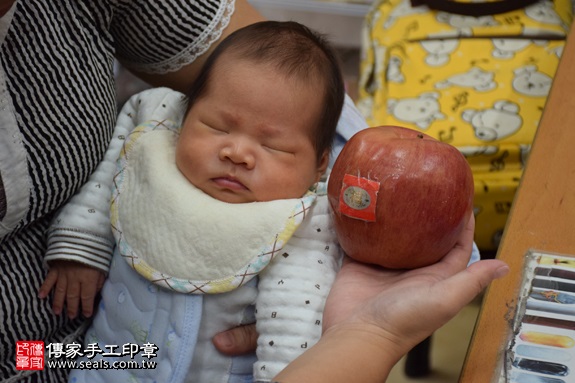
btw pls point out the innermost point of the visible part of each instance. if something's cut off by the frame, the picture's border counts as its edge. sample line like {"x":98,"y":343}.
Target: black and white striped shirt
{"x":57,"y":113}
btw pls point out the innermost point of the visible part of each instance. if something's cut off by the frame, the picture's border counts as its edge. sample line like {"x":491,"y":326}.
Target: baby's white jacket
{"x":287,"y":281}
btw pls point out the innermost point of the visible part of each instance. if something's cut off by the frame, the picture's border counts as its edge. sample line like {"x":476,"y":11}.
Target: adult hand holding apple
{"x":400,"y":198}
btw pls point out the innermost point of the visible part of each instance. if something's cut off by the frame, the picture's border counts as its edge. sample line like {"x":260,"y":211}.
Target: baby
{"x":217,"y":206}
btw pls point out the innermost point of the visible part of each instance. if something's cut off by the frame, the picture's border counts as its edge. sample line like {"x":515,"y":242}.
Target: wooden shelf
{"x":542,"y":218}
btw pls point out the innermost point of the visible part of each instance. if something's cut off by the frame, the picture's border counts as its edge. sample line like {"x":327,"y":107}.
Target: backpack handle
{"x":474,"y":9}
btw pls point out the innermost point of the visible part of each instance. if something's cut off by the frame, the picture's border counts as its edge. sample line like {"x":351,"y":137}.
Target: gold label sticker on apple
{"x":358,"y":198}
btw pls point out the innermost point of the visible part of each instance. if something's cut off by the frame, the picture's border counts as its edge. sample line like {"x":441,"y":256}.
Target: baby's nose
{"x":238,"y":154}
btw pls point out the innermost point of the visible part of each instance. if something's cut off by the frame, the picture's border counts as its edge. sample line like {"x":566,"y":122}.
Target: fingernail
{"x":225,"y":340}
{"x":502,"y":271}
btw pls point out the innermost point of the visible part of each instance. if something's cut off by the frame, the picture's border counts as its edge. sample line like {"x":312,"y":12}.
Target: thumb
{"x":467,"y":284}
{"x":237,"y":341}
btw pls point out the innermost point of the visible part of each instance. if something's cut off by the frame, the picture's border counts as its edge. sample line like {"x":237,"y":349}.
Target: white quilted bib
{"x":179,"y":237}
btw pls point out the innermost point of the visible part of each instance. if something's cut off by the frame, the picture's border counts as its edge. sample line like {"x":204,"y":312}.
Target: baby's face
{"x":248,"y":137}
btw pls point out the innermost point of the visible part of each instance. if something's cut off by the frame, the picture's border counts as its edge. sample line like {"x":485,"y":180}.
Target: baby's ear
{"x":322,"y":164}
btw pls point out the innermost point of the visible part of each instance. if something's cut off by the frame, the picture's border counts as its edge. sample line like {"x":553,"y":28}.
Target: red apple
{"x":400,"y":198}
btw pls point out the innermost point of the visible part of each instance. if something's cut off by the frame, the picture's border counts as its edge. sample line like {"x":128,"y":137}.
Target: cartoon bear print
{"x":476,"y":78}
{"x":544,"y":12}
{"x":524,"y":150}
{"x":394,"y":70}
{"x":465,"y":24}
{"x":370,"y":79}
{"x":557,"y":51}
{"x":476,"y":151}
{"x":529,"y":82}
{"x":420,"y":111}
{"x":403,"y":9}
{"x":495,"y":123}
{"x":507,"y":48}
{"x":438,"y":51}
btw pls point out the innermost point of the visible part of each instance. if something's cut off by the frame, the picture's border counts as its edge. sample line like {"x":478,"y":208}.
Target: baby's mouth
{"x":229,"y":183}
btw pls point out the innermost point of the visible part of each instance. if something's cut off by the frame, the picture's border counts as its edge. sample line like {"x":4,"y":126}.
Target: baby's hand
{"x":74,"y":281}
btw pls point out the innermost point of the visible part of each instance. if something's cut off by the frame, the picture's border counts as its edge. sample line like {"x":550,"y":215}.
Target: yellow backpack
{"x":477,"y":82}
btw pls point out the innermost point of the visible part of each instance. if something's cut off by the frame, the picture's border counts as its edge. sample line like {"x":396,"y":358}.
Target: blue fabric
{"x":242,"y":369}
{"x":138,"y":312}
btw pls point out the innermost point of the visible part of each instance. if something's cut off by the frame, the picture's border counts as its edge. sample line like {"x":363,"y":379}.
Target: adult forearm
{"x":344,"y":356}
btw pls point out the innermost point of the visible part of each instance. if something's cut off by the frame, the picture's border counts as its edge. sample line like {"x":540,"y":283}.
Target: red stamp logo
{"x":29,"y":355}
{"x":358,"y":197}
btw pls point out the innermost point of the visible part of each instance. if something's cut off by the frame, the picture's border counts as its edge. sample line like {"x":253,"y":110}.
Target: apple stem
{"x":420,"y":135}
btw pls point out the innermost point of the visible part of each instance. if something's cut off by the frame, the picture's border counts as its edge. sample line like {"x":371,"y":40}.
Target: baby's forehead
{"x":309,"y":76}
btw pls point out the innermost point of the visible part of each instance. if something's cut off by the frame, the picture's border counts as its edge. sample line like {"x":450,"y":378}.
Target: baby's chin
{"x":230,"y":196}
{"x":244,"y":196}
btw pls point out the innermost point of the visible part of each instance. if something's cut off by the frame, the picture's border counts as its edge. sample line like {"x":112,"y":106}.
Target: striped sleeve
{"x":163,"y":36}
{"x":81,"y":230}
{"x":84,"y":247}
